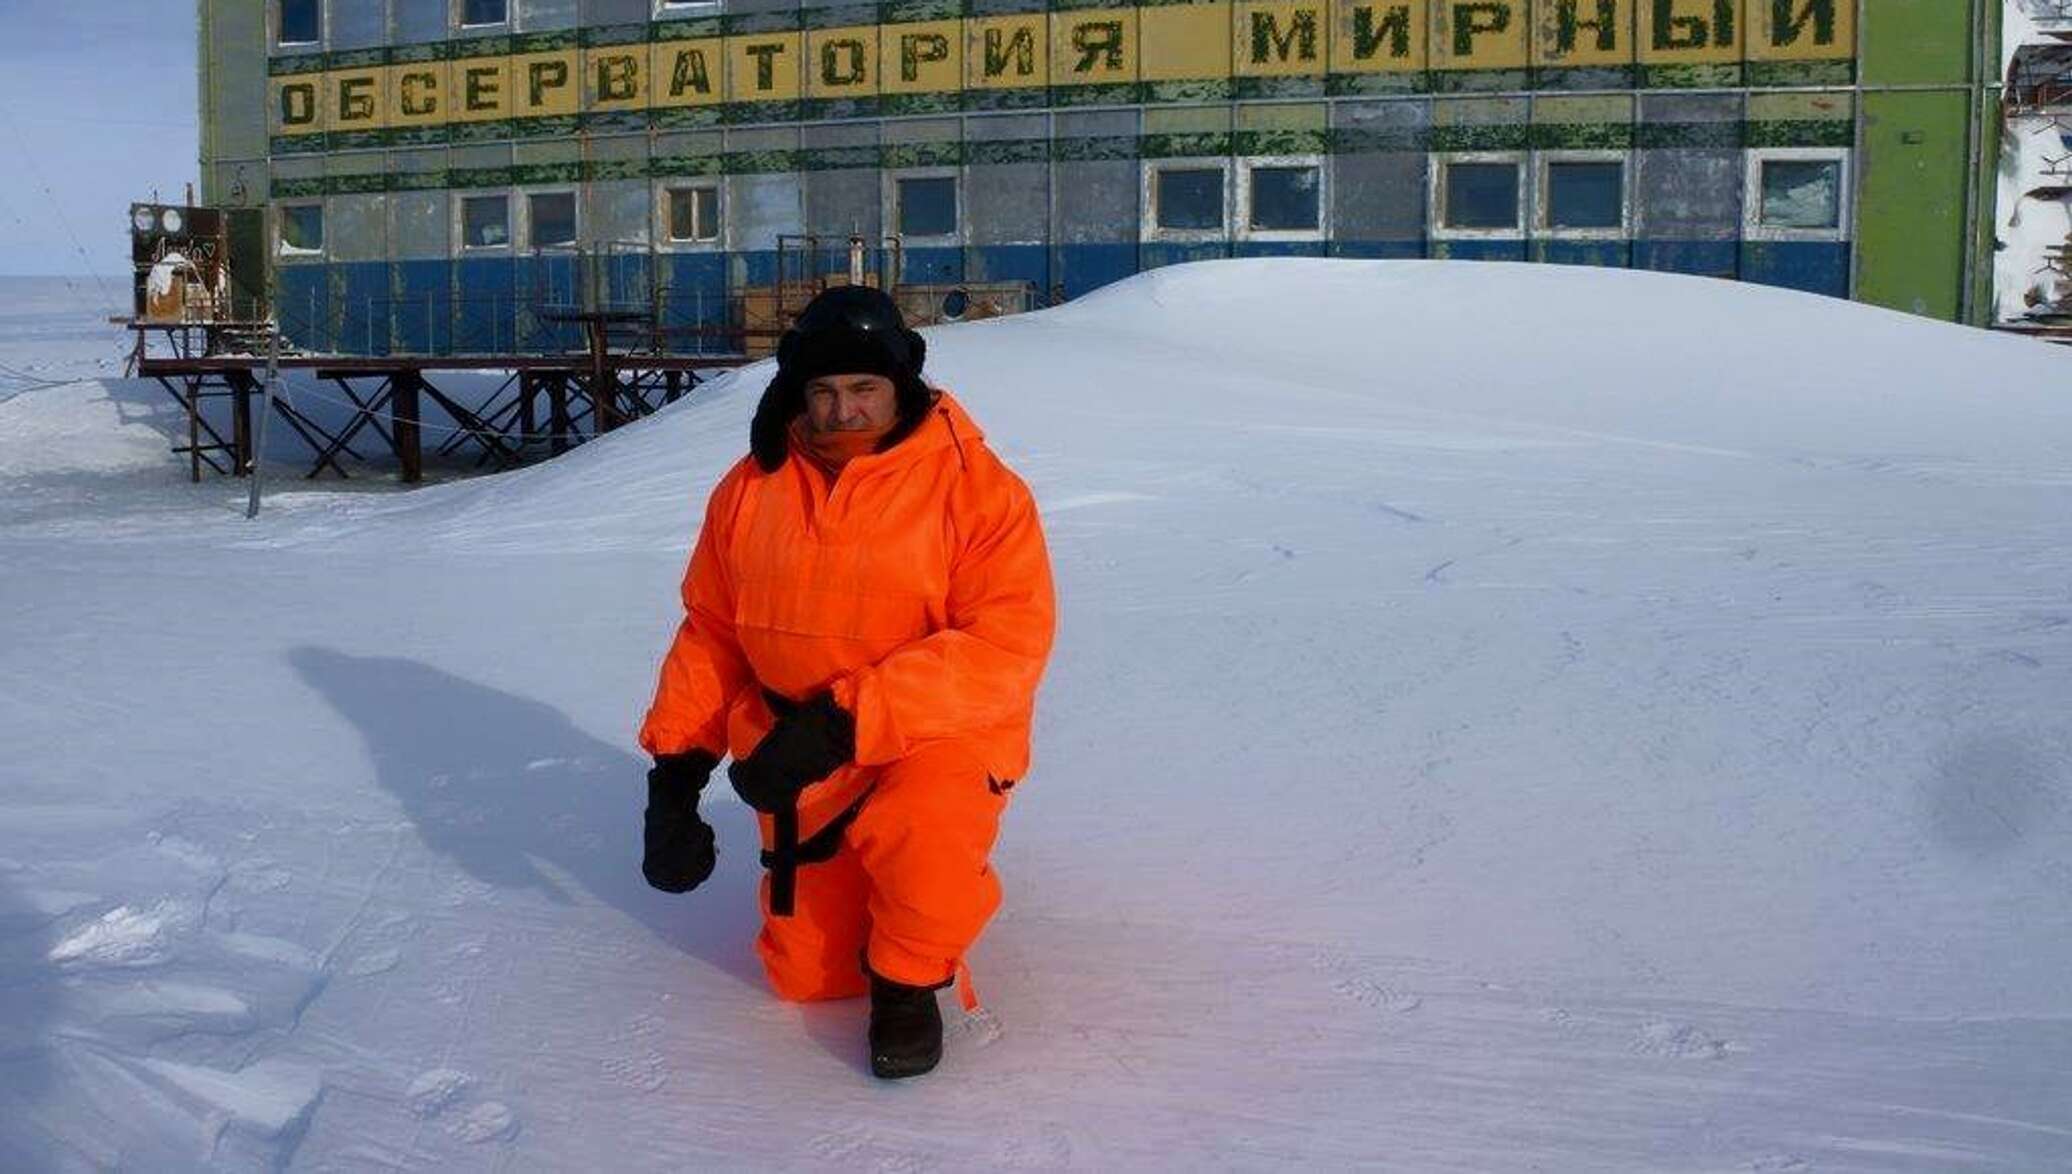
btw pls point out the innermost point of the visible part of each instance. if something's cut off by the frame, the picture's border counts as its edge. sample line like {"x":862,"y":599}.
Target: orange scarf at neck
{"x":832,"y":451}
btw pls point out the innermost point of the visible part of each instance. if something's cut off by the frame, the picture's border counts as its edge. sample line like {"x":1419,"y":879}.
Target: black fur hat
{"x":846,"y":330}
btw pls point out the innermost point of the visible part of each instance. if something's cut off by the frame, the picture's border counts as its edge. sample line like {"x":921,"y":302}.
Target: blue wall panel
{"x":423,"y":314}
{"x":1814,"y":266}
{"x":1083,"y":268}
{"x":1154,"y":255}
{"x":1603,"y":254}
{"x":1279,"y":249}
{"x":1706,"y":258}
{"x":304,"y":300}
{"x":1030,"y":263}
{"x":1479,"y":250}
{"x":932,"y":266}
{"x":1379,"y":250}
{"x":364,"y":305}
{"x":693,"y":296}
{"x":484,"y":305}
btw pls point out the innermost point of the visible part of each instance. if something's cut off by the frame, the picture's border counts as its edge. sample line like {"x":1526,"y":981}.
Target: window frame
{"x":1435,"y":204}
{"x":1752,"y":226}
{"x":295,"y":254}
{"x":522,"y":229}
{"x":279,"y":17}
{"x":961,"y":221}
{"x":1543,"y":194}
{"x":1242,"y":209}
{"x":461,"y":244}
{"x":677,"y":9}
{"x":680,"y":183}
{"x":456,"y":18}
{"x":1148,"y":226}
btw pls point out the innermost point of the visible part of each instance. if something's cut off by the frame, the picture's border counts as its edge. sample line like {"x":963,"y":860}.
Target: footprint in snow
{"x":1681,"y":1041}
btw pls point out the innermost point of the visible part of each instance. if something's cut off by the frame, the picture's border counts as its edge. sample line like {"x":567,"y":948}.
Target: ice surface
{"x":1504,"y":718}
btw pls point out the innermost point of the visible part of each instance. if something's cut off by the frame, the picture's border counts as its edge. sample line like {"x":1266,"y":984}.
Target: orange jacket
{"x":916,"y":586}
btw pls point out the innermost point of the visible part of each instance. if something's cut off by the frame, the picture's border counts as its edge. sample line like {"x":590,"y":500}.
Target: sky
{"x":97,"y":108}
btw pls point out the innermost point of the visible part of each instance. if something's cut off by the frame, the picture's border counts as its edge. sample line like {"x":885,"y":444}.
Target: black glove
{"x":810,"y":741}
{"x":680,"y":851}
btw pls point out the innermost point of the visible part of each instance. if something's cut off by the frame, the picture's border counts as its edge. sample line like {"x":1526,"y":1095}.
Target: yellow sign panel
{"x":1387,"y":36}
{"x":1803,"y":30}
{"x":545,"y":84}
{"x":1690,"y":32}
{"x":763,"y":67}
{"x":925,"y":57}
{"x":687,"y":73}
{"x":1480,"y":34}
{"x":295,"y":104}
{"x":1280,"y":38}
{"x":1184,"y":42}
{"x":1006,"y":52}
{"x":1577,"y":33}
{"x":482,"y":90}
{"x":615,"y":77}
{"x":1209,"y":40}
{"x":842,"y":62}
{"x":358,"y":99}
{"x":418,"y":94}
{"x":1093,"y":46}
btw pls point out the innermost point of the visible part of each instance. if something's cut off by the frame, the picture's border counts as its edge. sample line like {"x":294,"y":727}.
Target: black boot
{"x":906,"y":1029}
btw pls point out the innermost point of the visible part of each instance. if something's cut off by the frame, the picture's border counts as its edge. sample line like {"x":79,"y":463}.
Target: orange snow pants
{"x":909,"y":887}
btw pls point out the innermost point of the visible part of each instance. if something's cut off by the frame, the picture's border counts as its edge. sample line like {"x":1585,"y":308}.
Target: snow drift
{"x":1504,"y":717}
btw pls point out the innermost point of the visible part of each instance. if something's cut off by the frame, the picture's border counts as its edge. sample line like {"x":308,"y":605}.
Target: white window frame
{"x":1543,"y":203}
{"x":674,"y":9}
{"x":1435,"y":204}
{"x":890,"y":192}
{"x":323,"y":26}
{"x":1149,"y":229}
{"x":525,"y":197}
{"x":462,"y":246}
{"x":1752,"y":226}
{"x":459,"y":9}
{"x":687,"y":183}
{"x":1243,"y":208}
{"x":284,"y":251}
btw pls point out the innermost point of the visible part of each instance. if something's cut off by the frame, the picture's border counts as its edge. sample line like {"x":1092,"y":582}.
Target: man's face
{"x":851,"y":403}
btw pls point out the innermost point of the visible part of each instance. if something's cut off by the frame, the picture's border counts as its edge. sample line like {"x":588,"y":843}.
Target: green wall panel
{"x":1917,"y":42}
{"x":1910,"y":208}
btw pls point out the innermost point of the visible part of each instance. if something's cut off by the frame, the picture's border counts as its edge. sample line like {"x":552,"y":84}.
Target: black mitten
{"x":810,"y":741}
{"x":679,"y":845}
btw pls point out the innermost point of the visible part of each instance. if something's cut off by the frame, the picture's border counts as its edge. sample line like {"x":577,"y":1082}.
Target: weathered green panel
{"x":1910,"y":205}
{"x":1916,"y":42}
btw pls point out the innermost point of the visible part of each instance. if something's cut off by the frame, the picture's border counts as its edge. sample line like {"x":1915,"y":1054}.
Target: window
{"x":551,"y":219}
{"x":302,"y":230}
{"x":927,"y":205}
{"x":1478,"y":195}
{"x":485,"y":222}
{"x":302,"y":22}
{"x":1583,"y":194}
{"x":1797,"y":194}
{"x":1283,"y":198}
{"x":1801,"y":193}
{"x":1189,"y":198}
{"x":475,"y":12}
{"x":693,"y":214}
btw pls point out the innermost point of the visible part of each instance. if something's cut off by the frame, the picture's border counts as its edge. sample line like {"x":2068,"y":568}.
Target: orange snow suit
{"x":916,"y":586}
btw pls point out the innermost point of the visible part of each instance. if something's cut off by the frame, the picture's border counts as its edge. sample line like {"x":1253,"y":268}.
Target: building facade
{"x":432,"y":171}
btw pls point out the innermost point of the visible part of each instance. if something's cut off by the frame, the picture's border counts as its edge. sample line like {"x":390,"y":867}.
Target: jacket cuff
{"x":877,"y":739}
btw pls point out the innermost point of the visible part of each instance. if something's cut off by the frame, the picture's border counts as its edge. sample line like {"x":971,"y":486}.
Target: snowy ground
{"x":1505,"y":718}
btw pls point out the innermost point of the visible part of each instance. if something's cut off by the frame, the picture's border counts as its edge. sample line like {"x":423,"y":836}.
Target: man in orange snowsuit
{"x":868,"y":612}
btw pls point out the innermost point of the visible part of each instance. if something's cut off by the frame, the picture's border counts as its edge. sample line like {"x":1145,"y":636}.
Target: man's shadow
{"x":502,"y":785}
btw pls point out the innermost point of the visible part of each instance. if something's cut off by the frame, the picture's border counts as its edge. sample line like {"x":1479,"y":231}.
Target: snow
{"x":1505,"y":717}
